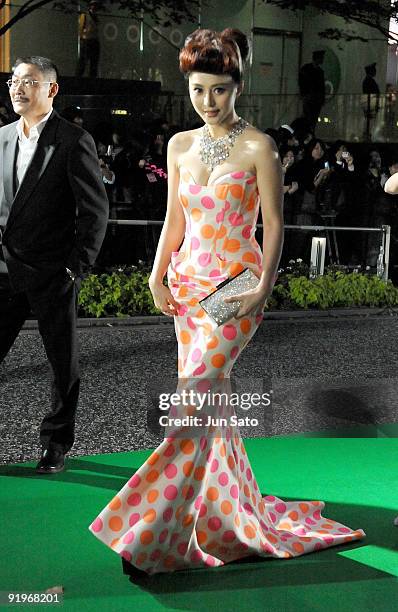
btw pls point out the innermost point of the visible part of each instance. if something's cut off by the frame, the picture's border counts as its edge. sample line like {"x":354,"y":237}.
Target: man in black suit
{"x":312,"y":88}
{"x":53,"y":216}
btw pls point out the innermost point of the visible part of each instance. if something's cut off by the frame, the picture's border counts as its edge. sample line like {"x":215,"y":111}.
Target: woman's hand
{"x":163,"y":299}
{"x":250,"y":301}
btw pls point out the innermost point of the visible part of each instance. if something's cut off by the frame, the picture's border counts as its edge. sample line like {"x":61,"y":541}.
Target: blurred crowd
{"x":335,"y":183}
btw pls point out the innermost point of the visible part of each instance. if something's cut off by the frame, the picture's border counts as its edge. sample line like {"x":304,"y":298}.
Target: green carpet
{"x":45,"y":540}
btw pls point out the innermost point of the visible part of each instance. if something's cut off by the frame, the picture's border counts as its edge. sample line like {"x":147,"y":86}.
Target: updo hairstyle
{"x":215,"y":53}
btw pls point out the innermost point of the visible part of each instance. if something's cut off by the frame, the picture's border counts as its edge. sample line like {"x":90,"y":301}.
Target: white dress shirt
{"x":27,"y":145}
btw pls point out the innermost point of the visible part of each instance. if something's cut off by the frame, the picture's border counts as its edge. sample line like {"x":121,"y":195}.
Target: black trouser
{"x":89,"y":52}
{"x":311,"y":110}
{"x":55,"y":307}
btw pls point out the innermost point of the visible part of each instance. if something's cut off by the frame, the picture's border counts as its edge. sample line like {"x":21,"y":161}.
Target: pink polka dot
{"x":214,"y":273}
{"x":234,"y":352}
{"x":267,"y":547}
{"x":195,"y":189}
{"x":170,"y":492}
{"x":203,"y":510}
{"x":263,"y":525}
{"x":126,"y":555}
{"x":280,"y":507}
{"x":195,"y":243}
{"x":272,"y":517}
{"x":203,"y":443}
{"x":235,"y":219}
{"x":155,"y":555}
{"x":317,"y":515}
{"x":241,"y":465}
{"x":234,"y":491}
{"x":246,"y":231}
{"x":249,"y":474}
{"x":174,"y":538}
{"x":190,"y":323}
{"x":318,"y":546}
{"x":182,"y":309}
{"x":214,"y":465}
{"x":128,"y":538}
{"x":344,"y":530}
{"x":170,"y":450}
{"x":199,"y":370}
{"x":167,"y":514}
{"x":210,"y":560}
{"x":259,"y":318}
{"x":163,"y":536}
{"x":229,"y":332}
{"x":228,"y":536}
{"x":207,"y":202}
{"x":134,"y":499}
{"x":248,"y":508}
{"x":328,"y":539}
{"x":223,"y":479}
{"x":182,"y":548}
{"x":220,"y":216}
{"x":196,"y":355}
{"x":238,"y":175}
{"x":309,"y":521}
{"x":190,"y":492}
{"x":97,"y":525}
{"x":134,"y":481}
{"x":170,"y":470}
{"x":196,"y":555}
{"x":270,"y":498}
{"x":204,"y":259}
{"x":210,"y":456}
{"x":198,"y":502}
{"x":300,"y":531}
{"x":134,"y":518}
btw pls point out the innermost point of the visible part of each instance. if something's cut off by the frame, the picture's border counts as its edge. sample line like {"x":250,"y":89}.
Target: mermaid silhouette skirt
{"x":195,"y":502}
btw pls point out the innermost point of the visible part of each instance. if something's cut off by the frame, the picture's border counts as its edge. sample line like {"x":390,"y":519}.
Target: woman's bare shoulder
{"x":262,"y":142}
{"x":182,"y":141}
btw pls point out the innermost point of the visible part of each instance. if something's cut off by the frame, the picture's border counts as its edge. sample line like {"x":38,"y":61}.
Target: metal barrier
{"x":385,"y":230}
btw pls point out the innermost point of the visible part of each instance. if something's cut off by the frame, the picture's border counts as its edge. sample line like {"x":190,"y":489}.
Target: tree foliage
{"x":162,"y":12}
{"x":373,"y":13}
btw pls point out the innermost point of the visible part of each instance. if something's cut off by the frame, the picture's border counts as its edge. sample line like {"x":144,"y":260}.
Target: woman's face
{"x":213,"y":96}
{"x":288,"y":158}
{"x":317,"y":151}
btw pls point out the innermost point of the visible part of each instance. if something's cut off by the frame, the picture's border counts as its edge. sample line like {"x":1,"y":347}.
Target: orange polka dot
{"x":327,"y":526}
{"x":245,"y":325}
{"x":187,"y":468}
{"x":152,"y":495}
{"x":293,"y":515}
{"x":218,"y":360}
{"x":115,"y":542}
{"x":271,"y":538}
{"x":231,"y":245}
{"x":184,"y":201}
{"x":201,"y":536}
{"x":236,"y":191}
{"x":189,"y":271}
{"x":261,"y":507}
{"x":254,"y":500}
{"x":246,"y":490}
{"x":212,"y":343}
{"x":223,"y":450}
{"x":152,"y":476}
{"x":185,"y":337}
{"x":249,"y":257}
{"x":212,"y":545}
{"x":199,"y":473}
{"x":242,"y":448}
{"x":187,"y":446}
{"x":221,"y":232}
{"x":187,"y":520}
{"x":193,"y":302}
{"x":207,"y":231}
{"x":221,"y":191}
{"x":287,"y":555}
{"x":304,"y":507}
{"x":141,"y":558}
{"x":285,"y":525}
{"x":249,"y":531}
{"x":150,"y":515}
{"x":179,"y":511}
{"x":237,"y":520}
{"x":115,"y":504}
{"x":200,"y":313}
{"x":231,"y":462}
{"x":298,"y":547}
{"x":305,"y":539}
{"x":115,"y":523}
{"x":169,"y":561}
{"x":196,"y":214}
{"x":236,"y":268}
{"x":252,"y":201}
{"x":182,"y":292}
{"x":212,"y":493}
{"x":153,"y":458}
{"x":226,"y":507}
{"x":146,"y":537}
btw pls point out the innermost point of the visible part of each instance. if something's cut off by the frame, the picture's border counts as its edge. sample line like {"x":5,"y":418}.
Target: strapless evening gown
{"x":195,"y":501}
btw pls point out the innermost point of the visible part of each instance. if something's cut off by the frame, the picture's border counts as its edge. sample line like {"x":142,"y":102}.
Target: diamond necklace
{"x":214,"y":151}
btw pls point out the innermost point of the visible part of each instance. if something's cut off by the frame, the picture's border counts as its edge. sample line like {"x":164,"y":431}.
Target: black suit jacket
{"x":59,"y":214}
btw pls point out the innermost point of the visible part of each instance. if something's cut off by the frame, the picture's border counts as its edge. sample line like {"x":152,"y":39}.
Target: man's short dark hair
{"x":45,"y":65}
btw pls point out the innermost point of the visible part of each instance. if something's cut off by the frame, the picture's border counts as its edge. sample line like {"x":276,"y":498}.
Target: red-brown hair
{"x":215,"y":53}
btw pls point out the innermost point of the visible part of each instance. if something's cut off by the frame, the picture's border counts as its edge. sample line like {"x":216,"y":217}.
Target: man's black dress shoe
{"x":51,"y":462}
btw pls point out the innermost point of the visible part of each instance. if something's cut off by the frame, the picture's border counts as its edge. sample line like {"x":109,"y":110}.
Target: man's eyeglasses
{"x":26,"y":83}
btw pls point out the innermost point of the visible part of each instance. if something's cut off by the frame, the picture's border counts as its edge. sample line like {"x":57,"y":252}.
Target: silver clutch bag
{"x":214,"y":303}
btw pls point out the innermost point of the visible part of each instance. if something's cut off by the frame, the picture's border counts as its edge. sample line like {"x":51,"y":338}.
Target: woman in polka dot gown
{"x":195,"y":502}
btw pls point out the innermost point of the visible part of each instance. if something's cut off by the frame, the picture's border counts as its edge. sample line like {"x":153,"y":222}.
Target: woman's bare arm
{"x":391,"y":185}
